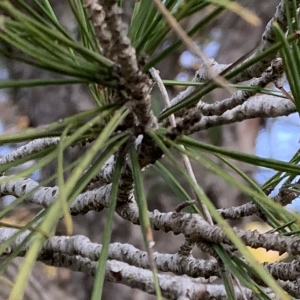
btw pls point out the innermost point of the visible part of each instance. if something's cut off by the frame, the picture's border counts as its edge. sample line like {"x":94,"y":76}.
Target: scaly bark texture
{"x":192,"y":278}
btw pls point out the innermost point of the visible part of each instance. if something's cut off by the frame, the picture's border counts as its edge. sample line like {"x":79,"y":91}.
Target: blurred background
{"x":226,"y":39}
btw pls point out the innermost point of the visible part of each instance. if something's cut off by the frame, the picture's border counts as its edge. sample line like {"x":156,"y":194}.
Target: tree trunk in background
{"x":43,"y":105}
{"x":234,"y":43}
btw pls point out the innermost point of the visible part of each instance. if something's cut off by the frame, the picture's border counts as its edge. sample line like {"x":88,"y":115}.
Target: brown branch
{"x":112,"y":34}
